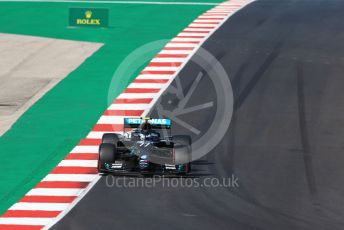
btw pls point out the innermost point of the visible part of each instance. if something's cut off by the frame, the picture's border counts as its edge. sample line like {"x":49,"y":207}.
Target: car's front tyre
{"x":107,"y":155}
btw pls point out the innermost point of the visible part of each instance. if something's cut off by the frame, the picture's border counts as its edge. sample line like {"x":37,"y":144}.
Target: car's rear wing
{"x":156,"y":123}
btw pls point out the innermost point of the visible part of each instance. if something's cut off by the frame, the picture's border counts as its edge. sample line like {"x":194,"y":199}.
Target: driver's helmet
{"x":153,"y":136}
{"x":145,"y":127}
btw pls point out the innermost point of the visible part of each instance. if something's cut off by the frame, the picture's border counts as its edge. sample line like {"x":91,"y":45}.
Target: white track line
{"x":54,"y":192}
{"x":212,"y":16}
{"x":25,"y":221}
{"x":136,"y":95}
{"x":111,"y":120}
{"x":168,"y":59}
{"x":128,"y":106}
{"x":39,"y":206}
{"x":198,"y":29}
{"x":154,"y":76}
{"x":85,"y":149}
{"x":161,"y":68}
{"x":190,"y":34}
{"x":70,"y":177}
{"x":207,"y":21}
{"x":98,"y":134}
{"x":181,"y":45}
{"x":187,"y":39}
{"x":146,"y":85}
{"x":202,"y":25}
{"x":79,"y":163}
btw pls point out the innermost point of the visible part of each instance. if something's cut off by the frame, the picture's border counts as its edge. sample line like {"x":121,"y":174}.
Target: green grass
{"x":55,"y":124}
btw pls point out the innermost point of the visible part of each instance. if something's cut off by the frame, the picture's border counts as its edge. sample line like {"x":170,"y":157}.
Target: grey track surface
{"x":285,"y":142}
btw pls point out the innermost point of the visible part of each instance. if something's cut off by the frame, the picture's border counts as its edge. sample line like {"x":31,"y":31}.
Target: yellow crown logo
{"x":88,"y":14}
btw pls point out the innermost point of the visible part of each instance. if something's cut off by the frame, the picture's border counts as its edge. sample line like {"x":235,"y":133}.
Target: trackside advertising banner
{"x":88,"y":17}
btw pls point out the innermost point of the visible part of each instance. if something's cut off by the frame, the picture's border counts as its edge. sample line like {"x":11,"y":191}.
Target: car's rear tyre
{"x":188,"y":167}
{"x":182,"y":149}
{"x":107,"y":154}
{"x":110,"y":138}
{"x":182,"y":140}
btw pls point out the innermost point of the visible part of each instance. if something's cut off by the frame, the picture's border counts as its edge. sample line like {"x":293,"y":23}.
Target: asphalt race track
{"x":285,"y":60}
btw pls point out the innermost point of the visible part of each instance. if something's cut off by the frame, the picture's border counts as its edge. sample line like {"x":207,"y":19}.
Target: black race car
{"x":148,"y":148}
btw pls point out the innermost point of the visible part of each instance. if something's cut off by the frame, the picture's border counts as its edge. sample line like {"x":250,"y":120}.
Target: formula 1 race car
{"x":148,"y":148}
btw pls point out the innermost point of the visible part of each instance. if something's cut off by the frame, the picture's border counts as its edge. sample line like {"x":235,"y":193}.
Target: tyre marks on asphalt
{"x":307,"y":156}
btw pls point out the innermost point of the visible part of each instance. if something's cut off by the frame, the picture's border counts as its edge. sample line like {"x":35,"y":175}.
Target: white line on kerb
{"x":116,"y":2}
{"x":72,"y":205}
